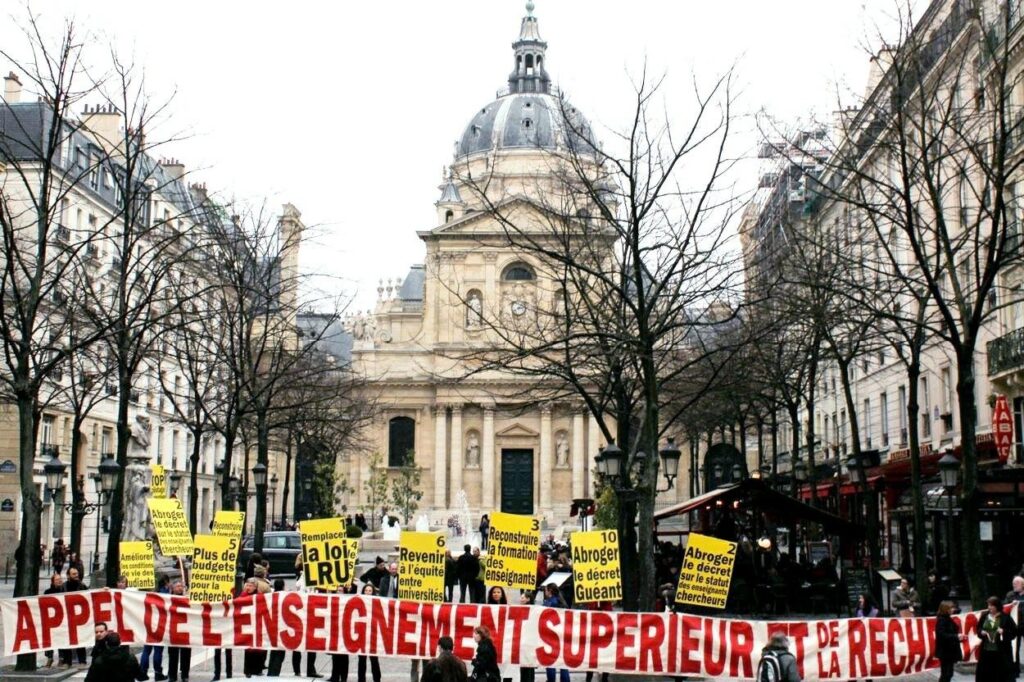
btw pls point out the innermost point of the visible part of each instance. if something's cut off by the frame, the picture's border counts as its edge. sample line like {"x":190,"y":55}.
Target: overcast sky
{"x":349,"y":110}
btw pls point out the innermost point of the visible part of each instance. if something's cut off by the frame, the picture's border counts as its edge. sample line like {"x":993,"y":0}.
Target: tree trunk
{"x":26,"y":581}
{"x":77,"y":492}
{"x":113,"y":563}
{"x":630,"y":559}
{"x":226,"y":503}
{"x":287,"y":478}
{"x":871,"y":505}
{"x":970,"y":528}
{"x":647,"y":489}
{"x":193,"y":482}
{"x":917,"y":496}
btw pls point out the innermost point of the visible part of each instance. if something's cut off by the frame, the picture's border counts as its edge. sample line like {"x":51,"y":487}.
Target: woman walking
{"x":947,"y":641}
{"x":485,"y":662}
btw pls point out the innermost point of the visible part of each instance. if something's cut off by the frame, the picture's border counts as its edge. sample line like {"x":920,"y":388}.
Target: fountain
{"x":460,"y":525}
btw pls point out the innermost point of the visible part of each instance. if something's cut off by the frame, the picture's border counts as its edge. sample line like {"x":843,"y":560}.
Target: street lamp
{"x":259,"y":474}
{"x":949,"y":472}
{"x":737,"y":473}
{"x":800,"y":471}
{"x":174,"y":479}
{"x":853,"y":467}
{"x":273,"y":498}
{"x":233,"y":487}
{"x":105,"y":481}
{"x":612,"y":458}
{"x":670,"y":455}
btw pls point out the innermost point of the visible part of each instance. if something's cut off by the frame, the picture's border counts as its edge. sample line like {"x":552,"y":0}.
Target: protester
{"x":74,"y":584}
{"x":467,"y":567}
{"x":526,"y":598}
{"x":56,"y":586}
{"x":114,"y":663}
{"x":76,"y":563}
{"x":451,"y":576}
{"x":866,"y":606}
{"x":58,"y":556}
{"x":122,"y":582}
{"x":375,"y":573}
{"x":485,"y":662}
{"x":388,"y":586}
{"x":776,"y":661}
{"x":947,"y":641}
{"x":905,"y":599}
{"x":553,"y":599}
{"x":223,"y":659}
{"x":542,"y":570}
{"x":179,"y":658}
{"x":152,"y":651}
{"x":479,"y":586}
{"x":497,"y":595}
{"x":485,"y":530}
{"x":275,"y":661}
{"x":260,"y":573}
{"x":101,"y":634}
{"x":938,"y":592}
{"x":252,"y":659}
{"x":1016,"y":596}
{"x":255,"y":559}
{"x":997,"y":633}
{"x":368,"y":591}
{"x":300,"y":586}
{"x":339,"y":662}
{"x":445,"y":667}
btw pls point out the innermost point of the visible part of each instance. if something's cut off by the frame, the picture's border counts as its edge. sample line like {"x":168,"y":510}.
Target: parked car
{"x":280,"y":547}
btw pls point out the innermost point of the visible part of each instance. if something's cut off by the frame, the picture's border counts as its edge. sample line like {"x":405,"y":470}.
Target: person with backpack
{"x":777,"y":663}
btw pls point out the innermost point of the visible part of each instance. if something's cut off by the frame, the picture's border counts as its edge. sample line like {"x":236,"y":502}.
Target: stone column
{"x":440,"y":455}
{"x":457,"y":458}
{"x":545,"y":458}
{"x":593,"y":445}
{"x":487,"y":462}
{"x":578,"y":457}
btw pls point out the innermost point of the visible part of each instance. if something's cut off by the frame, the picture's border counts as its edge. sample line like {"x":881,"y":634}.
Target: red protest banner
{"x":637,"y":643}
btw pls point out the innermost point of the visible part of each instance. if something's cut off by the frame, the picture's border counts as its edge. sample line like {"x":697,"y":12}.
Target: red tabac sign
{"x":1002,"y":428}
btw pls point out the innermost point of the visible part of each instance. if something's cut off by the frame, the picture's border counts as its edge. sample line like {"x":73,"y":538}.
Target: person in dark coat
{"x":375,"y":573}
{"x":451,"y":577}
{"x":74,"y":584}
{"x":114,"y":663}
{"x":56,"y":587}
{"x":369,"y":590}
{"x":485,"y":531}
{"x":997,"y":633}
{"x":947,"y":641}
{"x":485,"y":662}
{"x":446,"y":667}
{"x":467,"y":567}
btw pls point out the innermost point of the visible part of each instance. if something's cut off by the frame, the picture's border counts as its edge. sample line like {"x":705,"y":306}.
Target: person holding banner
{"x":56,"y":587}
{"x":553,"y":599}
{"x":151,"y":650}
{"x":179,"y":658}
{"x":947,"y":641}
{"x":369,"y":591}
{"x":339,"y":662}
{"x":997,"y":633}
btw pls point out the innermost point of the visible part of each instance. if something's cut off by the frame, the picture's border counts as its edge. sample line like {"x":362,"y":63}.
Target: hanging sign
{"x":137,"y":564}
{"x":1002,"y":428}
{"x":158,"y":487}
{"x":596,"y":571}
{"x":171,"y":527}
{"x":512,"y":546}
{"x":230,"y":524}
{"x":706,"y":572}
{"x":421,"y":566}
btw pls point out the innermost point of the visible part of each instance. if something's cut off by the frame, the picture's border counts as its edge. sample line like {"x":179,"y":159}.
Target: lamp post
{"x":259,"y":476}
{"x":949,"y":472}
{"x":105,"y":481}
{"x":273,"y":498}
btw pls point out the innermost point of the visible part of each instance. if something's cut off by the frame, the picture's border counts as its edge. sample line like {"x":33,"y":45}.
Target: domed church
{"x":481,"y":439}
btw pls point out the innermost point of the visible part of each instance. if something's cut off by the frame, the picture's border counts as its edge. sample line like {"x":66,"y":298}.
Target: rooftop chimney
{"x":105,"y":123}
{"x":12,"y":88}
{"x":880,"y":63}
{"x":174,"y":168}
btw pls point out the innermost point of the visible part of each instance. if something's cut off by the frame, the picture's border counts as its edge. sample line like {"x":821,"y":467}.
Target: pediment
{"x":517,"y":431}
{"x":519,"y":209}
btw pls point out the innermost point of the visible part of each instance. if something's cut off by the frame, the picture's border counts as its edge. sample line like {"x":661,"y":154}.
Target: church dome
{"x":526,"y":120}
{"x":529,"y":114}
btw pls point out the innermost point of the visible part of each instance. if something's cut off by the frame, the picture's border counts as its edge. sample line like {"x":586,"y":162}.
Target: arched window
{"x":517,"y":272}
{"x":401,"y":440}
{"x":448,"y":215}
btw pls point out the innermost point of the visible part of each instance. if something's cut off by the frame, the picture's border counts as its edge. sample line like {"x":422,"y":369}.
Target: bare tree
{"x":636,"y":284}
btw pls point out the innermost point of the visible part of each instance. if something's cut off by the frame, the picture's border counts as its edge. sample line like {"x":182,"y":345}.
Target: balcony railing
{"x":1006,"y":352}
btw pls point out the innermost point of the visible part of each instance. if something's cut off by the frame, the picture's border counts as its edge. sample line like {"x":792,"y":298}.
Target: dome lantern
{"x":528,"y":73}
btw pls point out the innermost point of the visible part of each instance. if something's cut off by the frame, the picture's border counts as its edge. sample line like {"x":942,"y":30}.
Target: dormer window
{"x":448,"y":215}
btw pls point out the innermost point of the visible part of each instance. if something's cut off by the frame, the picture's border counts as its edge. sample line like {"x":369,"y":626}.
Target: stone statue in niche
{"x":474,"y":311}
{"x":472,"y":450}
{"x":562,"y":450}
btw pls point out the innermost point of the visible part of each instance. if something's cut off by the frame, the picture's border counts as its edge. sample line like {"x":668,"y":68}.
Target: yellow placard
{"x":158,"y":487}
{"x":421,"y":566}
{"x":171,"y":527}
{"x":512,"y":546}
{"x":706,"y":571}
{"x":137,"y":564}
{"x":230,"y":524}
{"x":596,"y":570}
{"x":214,"y":563}
{"x":328,"y":556}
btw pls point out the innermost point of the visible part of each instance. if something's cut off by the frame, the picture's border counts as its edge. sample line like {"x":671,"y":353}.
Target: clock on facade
{"x":518,"y":307}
